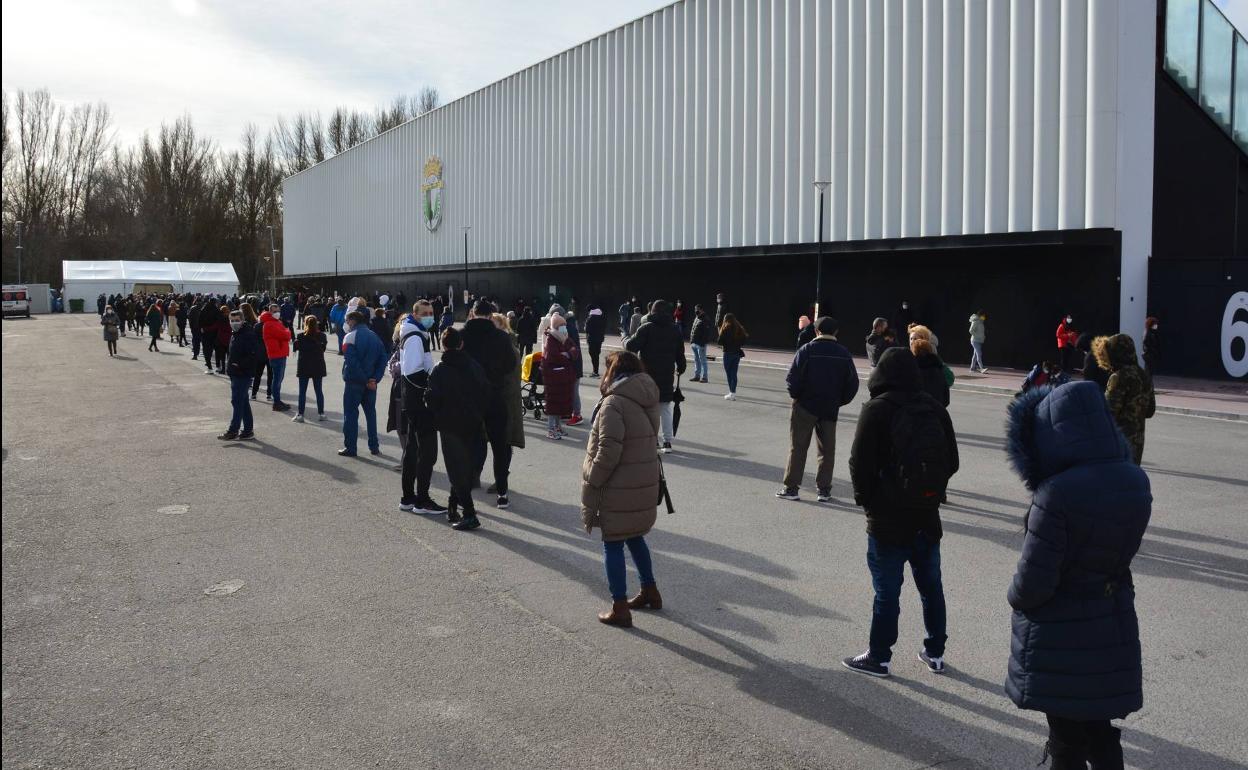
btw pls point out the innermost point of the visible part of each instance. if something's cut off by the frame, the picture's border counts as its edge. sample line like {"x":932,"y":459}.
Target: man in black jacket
{"x":491,"y":347}
{"x":244,"y":354}
{"x":821,"y":380}
{"x":458,"y":396}
{"x":904,"y":452}
{"x":595,"y":333}
{"x":193,"y":317}
{"x":662,"y":349}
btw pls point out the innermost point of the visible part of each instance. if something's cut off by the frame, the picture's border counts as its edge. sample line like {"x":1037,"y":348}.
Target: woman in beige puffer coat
{"x":620,"y":481}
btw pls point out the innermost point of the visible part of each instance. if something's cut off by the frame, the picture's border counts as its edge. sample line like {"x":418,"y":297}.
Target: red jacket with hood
{"x":275,"y":335}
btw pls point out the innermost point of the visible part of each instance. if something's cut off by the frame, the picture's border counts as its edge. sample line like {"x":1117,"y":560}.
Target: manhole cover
{"x":174,"y":510}
{"x":224,"y":588}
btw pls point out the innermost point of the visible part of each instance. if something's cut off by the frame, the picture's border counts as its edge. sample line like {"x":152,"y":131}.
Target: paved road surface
{"x":365,"y":637}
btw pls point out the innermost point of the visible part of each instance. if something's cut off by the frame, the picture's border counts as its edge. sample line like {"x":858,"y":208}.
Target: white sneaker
{"x":983,"y":371}
{"x":730,"y":397}
{"x":297,"y":418}
{"x":320,"y":417}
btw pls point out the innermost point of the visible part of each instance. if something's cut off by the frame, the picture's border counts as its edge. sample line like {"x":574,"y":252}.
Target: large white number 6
{"x":1235,"y":330}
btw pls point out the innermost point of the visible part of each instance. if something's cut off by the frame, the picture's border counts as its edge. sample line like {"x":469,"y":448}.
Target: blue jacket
{"x":365,"y":358}
{"x":823,"y":378}
{"x":245,"y":353}
{"x":1075,"y":651}
{"x":287,"y":311}
{"x":338,"y":314}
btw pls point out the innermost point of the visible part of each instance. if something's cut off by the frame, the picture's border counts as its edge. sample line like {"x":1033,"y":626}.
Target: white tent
{"x":88,"y":280}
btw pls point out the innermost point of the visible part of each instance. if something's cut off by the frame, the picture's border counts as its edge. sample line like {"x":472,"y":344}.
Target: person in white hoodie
{"x":555,"y":310}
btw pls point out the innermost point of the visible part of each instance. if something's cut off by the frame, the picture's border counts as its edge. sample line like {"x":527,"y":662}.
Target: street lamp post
{"x":19,"y":251}
{"x":272,"y":266}
{"x":466,"y":228}
{"x":821,"y":187}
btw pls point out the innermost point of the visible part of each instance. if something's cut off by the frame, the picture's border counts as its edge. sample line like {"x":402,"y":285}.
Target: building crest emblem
{"x":431,"y":192}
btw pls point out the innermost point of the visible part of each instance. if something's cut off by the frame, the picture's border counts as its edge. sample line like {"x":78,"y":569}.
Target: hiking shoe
{"x":469,"y":523}
{"x":247,"y":436}
{"x":502,"y":502}
{"x":824,"y":496}
{"x":667,"y":447}
{"x":935,"y":665}
{"x":788,"y":494}
{"x":297,"y":418}
{"x":429,"y":508}
{"x":865,"y":664}
{"x":229,"y":435}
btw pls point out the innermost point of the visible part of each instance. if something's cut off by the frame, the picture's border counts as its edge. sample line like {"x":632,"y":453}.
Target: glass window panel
{"x":1215,"y":65}
{"x":1182,"y":41}
{"x":1241,"y":92}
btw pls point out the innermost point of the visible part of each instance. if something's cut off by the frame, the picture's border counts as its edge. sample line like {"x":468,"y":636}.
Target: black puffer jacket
{"x":311,"y":350}
{"x":1075,"y":651}
{"x":458,"y":393}
{"x":932,"y":377}
{"x":490,"y":347}
{"x":893,"y":385}
{"x":662,"y":349}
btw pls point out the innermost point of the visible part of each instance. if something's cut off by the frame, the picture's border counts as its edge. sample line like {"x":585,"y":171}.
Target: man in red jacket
{"x":1067,"y":336}
{"x":277,"y":346}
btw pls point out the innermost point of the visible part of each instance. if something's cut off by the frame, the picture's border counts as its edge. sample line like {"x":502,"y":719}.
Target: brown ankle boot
{"x":649,"y":598}
{"x":618,"y":616}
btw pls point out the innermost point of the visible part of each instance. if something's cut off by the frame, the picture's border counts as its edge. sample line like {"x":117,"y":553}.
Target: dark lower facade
{"x":1024,"y":282}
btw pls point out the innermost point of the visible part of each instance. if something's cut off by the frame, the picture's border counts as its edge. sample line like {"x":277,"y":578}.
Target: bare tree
{"x":427,"y":100}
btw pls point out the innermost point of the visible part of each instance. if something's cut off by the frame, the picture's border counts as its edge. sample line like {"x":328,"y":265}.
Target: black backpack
{"x":919,"y":467}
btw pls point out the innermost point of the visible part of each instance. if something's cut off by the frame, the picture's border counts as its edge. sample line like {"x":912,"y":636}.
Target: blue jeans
{"x":278,"y":368}
{"x":341,"y":334}
{"x":731,"y":362}
{"x":240,"y":388}
{"x":887,"y":563}
{"x":617,"y":577}
{"x":354,"y":396}
{"x":303,"y":394}
{"x":977,"y":355}
{"x":699,"y":362}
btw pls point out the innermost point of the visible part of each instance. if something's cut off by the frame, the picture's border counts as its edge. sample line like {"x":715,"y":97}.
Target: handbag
{"x":677,"y":398}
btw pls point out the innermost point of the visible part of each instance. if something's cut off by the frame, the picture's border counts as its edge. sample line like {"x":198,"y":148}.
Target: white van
{"x":16,"y":300}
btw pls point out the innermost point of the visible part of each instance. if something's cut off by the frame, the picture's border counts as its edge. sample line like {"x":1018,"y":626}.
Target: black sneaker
{"x":469,"y":523}
{"x":824,"y":496}
{"x":452,"y":513}
{"x":788,"y":494}
{"x":429,"y":508}
{"x":502,"y":502}
{"x":935,"y":665}
{"x":345,"y":453}
{"x":229,"y":435}
{"x":247,"y":436}
{"x":667,"y":447}
{"x":865,"y":664}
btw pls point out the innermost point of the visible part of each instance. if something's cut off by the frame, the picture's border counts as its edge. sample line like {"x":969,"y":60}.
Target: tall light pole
{"x":272,"y":266}
{"x":466,"y":228}
{"x":19,"y":251}
{"x":821,"y":187}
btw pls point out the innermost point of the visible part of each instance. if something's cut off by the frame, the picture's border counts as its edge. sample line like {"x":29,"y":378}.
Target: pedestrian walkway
{"x":1214,"y":399}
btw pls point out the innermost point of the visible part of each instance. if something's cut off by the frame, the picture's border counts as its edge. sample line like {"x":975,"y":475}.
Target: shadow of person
{"x":307,"y":462}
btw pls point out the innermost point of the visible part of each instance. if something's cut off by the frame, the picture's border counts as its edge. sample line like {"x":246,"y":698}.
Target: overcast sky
{"x":231,"y":62}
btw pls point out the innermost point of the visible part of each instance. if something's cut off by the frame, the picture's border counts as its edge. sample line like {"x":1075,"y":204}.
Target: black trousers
{"x":496,"y":437}
{"x":262,"y":369}
{"x":595,"y":350}
{"x":194,"y":343}
{"x":457,"y":457}
{"x":209,"y":344}
{"x":420,"y":454}
{"x":1075,"y":744}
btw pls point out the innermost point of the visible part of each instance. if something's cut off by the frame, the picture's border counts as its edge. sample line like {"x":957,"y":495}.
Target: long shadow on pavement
{"x":333,"y":470}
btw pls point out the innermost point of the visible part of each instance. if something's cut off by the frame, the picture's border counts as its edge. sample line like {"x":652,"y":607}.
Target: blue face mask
{"x":426,"y":322}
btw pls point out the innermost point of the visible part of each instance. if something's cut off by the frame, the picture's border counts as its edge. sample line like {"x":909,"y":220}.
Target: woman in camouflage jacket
{"x":1129,"y":390}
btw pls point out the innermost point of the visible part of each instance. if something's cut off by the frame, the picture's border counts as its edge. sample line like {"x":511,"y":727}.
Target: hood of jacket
{"x":897,"y":370}
{"x":1050,"y":430}
{"x":659,"y":319}
{"x":1119,"y":352}
{"x":639,"y":388}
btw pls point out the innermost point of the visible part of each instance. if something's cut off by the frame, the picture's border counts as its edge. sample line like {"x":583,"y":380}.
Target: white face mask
{"x":561,"y":333}
{"x":236,"y":325}
{"x":1069,"y":319}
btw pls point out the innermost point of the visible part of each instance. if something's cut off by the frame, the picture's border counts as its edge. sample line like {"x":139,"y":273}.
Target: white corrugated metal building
{"x":697,"y":130}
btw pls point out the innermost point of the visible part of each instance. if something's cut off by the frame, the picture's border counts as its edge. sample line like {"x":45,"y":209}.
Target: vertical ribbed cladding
{"x":749,"y":118}
{"x":775,"y":151}
{"x":794,"y":173}
{"x":823,"y":95}
{"x":951,"y":190}
{"x":933,"y":114}
{"x":894,"y":117}
{"x":855,"y":218}
{"x":873,"y":140}
{"x":912,"y":120}
{"x":1048,"y":54}
{"x":708,"y":148}
{"x":733,"y":152}
{"x":1022,"y":112}
{"x":997,"y":119}
{"x":838,"y":199}
{"x":1102,"y":153}
{"x":974,"y":113}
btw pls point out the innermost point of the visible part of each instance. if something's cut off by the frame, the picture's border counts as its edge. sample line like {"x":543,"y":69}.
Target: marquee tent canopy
{"x":87,"y":280}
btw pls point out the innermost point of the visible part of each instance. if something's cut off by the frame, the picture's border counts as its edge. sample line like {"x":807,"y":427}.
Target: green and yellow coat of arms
{"x":431,"y":192}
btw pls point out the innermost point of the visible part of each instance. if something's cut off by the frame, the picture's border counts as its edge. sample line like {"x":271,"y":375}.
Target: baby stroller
{"x":533,"y":397}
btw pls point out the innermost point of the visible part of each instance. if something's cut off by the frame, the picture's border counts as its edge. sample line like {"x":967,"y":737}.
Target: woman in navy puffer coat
{"x":1075,"y":653}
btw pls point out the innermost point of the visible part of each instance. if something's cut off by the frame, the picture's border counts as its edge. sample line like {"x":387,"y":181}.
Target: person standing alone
{"x":978,"y":335}
{"x":903,"y":455}
{"x":821,"y":380}
{"x":363,"y":365}
{"x":244,"y":351}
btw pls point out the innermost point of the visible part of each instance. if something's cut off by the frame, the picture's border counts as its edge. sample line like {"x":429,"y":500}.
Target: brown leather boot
{"x":649,"y":598}
{"x":618,"y":616}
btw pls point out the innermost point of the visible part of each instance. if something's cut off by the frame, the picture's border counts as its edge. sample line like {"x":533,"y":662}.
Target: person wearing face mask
{"x":559,"y":358}
{"x":1067,"y":338}
{"x":1152,"y":345}
{"x":420,"y":450}
{"x":310,"y":345}
{"x":364,"y":364}
{"x":243,"y":354}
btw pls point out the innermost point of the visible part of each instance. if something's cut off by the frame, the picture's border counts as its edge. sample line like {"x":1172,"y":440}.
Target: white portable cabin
{"x":87,"y":280}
